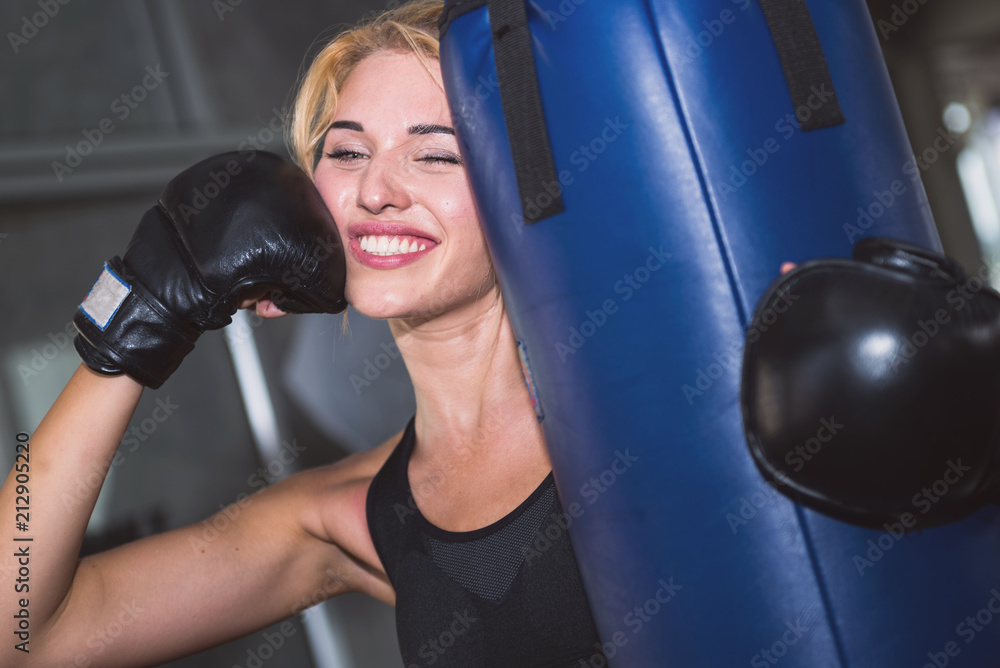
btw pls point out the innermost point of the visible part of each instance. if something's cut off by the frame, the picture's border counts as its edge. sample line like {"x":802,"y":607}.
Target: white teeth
{"x":385,"y":245}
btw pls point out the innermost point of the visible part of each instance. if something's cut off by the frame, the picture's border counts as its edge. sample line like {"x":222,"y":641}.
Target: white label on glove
{"x":105,"y":298}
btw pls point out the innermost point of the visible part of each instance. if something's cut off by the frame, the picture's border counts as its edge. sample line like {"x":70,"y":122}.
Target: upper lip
{"x":386,"y":229}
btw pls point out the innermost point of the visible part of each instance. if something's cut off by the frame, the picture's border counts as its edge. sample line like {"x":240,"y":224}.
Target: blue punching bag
{"x":642,"y":169}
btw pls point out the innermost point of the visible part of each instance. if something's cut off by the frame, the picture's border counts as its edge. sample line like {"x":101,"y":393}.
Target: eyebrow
{"x":346,"y":125}
{"x":431,"y":129}
{"x":422,"y":129}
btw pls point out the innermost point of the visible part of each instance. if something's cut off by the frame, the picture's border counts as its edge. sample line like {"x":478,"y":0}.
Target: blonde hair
{"x":411,"y":27}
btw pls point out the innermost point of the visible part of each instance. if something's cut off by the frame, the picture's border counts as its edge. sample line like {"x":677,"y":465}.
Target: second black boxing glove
{"x":871,"y":386}
{"x":222,"y":228}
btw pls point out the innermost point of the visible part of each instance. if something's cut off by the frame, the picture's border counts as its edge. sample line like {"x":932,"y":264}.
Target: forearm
{"x":67,"y":457}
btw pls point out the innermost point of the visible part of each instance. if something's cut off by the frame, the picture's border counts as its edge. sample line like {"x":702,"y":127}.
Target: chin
{"x":383,"y":301}
{"x":381,"y":307}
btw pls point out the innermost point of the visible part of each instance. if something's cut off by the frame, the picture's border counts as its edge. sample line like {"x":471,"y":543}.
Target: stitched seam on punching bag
{"x":700,"y":172}
{"x":824,"y":593}
{"x":805,"y":67}
{"x":728,"y":263}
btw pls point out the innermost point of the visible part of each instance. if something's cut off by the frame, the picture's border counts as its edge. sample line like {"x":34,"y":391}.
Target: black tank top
{"x":506,"y":595}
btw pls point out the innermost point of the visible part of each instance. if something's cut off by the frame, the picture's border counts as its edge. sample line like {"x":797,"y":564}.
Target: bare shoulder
{"x":331,"y":500}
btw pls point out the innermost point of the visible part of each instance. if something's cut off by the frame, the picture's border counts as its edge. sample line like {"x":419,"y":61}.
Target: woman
{"x":373,"y":128}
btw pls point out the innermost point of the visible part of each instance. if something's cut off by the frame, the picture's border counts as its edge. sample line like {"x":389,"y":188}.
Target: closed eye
{"x":450,"y":159}
{"x":345,"y":155}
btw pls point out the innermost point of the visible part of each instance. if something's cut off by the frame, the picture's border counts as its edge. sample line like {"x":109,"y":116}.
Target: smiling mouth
{"x":392,"y":245}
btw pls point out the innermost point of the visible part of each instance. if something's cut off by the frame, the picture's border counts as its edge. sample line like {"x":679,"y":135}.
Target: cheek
{"x":336,"y":191}
{"x":466,"y":237}
{"x":456,"y":204}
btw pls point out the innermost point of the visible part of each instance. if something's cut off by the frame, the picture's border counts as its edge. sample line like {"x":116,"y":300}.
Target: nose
{"x":381,"y":185}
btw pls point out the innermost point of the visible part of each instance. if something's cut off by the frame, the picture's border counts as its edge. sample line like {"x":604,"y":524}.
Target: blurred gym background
{"x":104,"y":102}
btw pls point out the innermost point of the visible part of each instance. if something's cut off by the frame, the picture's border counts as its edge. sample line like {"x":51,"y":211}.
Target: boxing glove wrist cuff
{"x":124,"y":329}
{"x":93,"y":359}
{"x":907,"y":259}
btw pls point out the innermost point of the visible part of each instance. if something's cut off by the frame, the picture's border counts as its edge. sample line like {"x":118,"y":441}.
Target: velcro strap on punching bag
{"x":802,"y":59}
{"x":521,"y":100}
{"x":522,"y":109}
{"x":792,"y":30}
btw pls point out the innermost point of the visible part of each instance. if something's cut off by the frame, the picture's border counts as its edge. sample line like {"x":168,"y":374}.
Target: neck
{"x":470,"y":391}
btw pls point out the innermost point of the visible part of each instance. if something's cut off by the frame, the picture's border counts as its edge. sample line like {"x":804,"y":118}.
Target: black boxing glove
{"x":221,"y":229}
{"x":874,"y":395}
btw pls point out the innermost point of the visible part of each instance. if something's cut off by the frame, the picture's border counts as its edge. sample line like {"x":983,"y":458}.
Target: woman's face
{"x":392,"y":177}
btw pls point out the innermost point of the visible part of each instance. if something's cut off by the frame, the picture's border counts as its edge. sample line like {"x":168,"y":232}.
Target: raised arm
{"x":176,"y":593}
{"x":227,"y":228}
{"x":41,"y":537}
